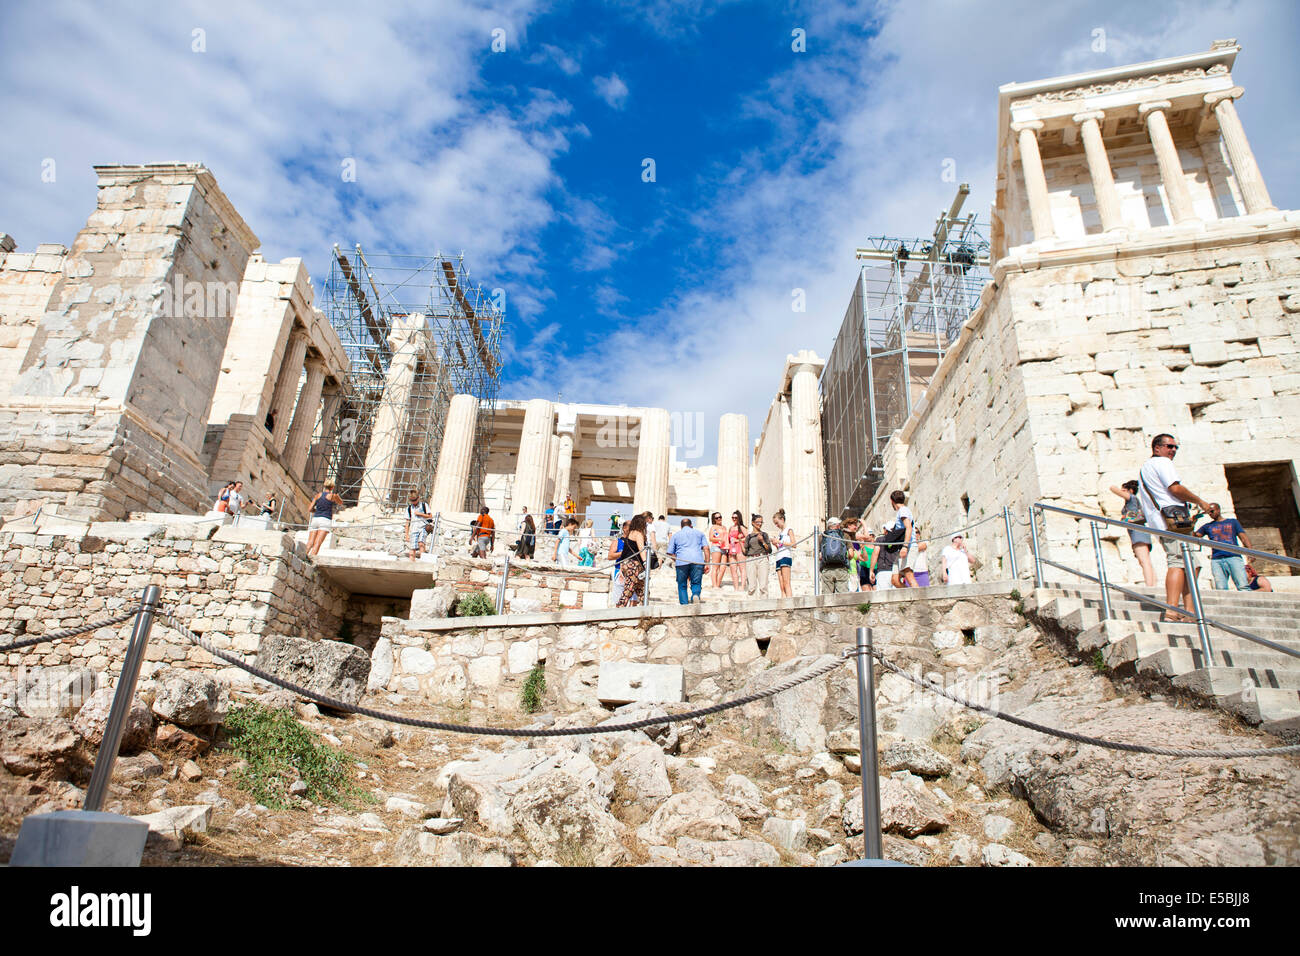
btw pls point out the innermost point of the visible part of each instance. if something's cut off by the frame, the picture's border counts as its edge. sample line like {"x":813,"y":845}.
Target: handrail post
{"x":816,"y":563}
{"x":1190,"y":575}
{"x":869,"y":771}
{"x":122,"y":697}
{"x":501,"y":588}
{"x":1033,"y":543}
{"x":1011,"y":543}
{"x":437,"y":520}
{"x":1101,"y":572}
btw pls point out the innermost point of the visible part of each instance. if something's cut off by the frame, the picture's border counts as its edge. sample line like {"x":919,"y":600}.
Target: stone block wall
{"x":26,"y":282}
{"x":233,"y":586}
{"x":531,"y":586}
{"x":482,"y":662}
{"x":1067,"y":371}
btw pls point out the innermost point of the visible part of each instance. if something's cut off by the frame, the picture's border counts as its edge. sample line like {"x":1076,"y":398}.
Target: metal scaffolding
{"x":417,"y":332}
{"x":909,"y":303}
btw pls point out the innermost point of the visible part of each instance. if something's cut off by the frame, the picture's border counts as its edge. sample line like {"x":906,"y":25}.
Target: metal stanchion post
{"x":437,"y":520}
{"x":1101,"y":572}
{"x":1190,"y":576}
{"x":816,"y":563}
{"x":122,"y":697}
{"x":1033,"y":543}
{"x":871,"y":838}
{"x":501,"y":588}
{"x":279,"y":518}
{"x":1011,"y":543}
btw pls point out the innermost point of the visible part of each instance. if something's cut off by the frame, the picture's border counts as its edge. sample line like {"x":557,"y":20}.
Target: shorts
{"x":318,"y":523}
{"x":1174,"y":554}
{"x":922,"y":578}
{"x":415,"y":540}
{"x":784,"y":563}
{"x":1139,"y":537}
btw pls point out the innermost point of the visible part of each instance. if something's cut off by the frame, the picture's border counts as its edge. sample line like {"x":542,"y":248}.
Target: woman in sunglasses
{"x":717,"y":546}
{"x":735,"y":541}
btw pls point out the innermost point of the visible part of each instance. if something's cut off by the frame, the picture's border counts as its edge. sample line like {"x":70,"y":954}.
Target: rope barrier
{"x":70,"y":632}
{"x":169,"y":620}
{"x":1070,"y":735}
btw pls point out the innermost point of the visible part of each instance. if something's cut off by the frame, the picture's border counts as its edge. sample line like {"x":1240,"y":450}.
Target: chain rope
{"x":70,"y":632}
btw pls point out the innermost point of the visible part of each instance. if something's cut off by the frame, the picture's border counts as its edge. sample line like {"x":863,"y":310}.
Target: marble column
{"x":318,"y":460}
{"x":806,"y":496}
{"x":552,"y":463}
{"x":451,"y":480}
{"x":286,"y":387}
{"x":1171,"y":167}
{"x":407,"y":342}
{"x":1031,"y":163}
{"x":733,"y":467}
{"x":564,"y":467}
{"x":534,"y":451}
{"x":1103,"y":180}
{"x":1244,"y":167}
{"x":652,"y":463}
{"x":304,"y":418}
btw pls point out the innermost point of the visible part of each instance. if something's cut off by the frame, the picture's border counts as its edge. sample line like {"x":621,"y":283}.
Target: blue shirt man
{"x":1225,"y":564}
{"x":686,"y":548}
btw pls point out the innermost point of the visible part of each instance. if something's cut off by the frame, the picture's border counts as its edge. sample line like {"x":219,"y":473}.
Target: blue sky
{"x":771,"y":164}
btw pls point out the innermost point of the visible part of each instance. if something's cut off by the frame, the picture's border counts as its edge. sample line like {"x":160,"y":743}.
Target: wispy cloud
{"x":611,"y":89}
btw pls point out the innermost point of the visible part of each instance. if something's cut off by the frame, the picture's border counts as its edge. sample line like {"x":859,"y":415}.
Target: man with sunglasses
{"x":1159,"y":488}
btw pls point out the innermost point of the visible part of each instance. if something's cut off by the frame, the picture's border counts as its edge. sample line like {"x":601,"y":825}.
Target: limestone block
{"x":485,"y":671}
{"x":522,"y":656}
{"x":623,"y":682}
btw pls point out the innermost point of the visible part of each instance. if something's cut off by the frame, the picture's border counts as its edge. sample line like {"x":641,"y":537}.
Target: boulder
{"x":47,"y":692}
{"x":381,"y":665}
{"x":965,"y":852}
{"x":432,"y":602}
{"x":995,"y":854}
{"x":832,"y":856}
{"x":169,"y":826}
{"x":997,"y":828}
{"x":417,"y":847}
{"x":791,"y":835}
{"x":145,"y":766}
{"x":408,"y":808}
{"x":30,"y":746}
{"x":903,"y":809}
{"x":329,"y":668}
{"x":796,"y":716}
{"x":92,"y":719}
{"x":644,"y":772}
{"x":727,"y":852}
{"x":744,"y":797}
{"x":179,"y":741}
{"x":189,"y":699}
{"x":623,"y":682}
{"x":916,"y":757}
{"x":692,"y":814}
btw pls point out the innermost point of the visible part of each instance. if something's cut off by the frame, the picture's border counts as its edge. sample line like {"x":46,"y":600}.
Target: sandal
{"x":1167,"y":618}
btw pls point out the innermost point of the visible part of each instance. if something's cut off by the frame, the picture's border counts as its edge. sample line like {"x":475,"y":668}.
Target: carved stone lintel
{"x":1131,"y":83}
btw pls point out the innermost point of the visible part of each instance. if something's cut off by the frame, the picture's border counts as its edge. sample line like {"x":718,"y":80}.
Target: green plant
{"x":1015,"y":594}
{"x":1099,"y":661}
{"x":277,"y":751}
{"x":864,"y":607}
{"x":476,"y":605}
{"x":530,"y":697}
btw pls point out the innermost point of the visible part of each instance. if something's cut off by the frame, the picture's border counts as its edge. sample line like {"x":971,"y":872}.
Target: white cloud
{"x":611,"y":89}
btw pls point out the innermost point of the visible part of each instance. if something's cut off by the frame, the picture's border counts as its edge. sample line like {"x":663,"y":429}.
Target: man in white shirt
{"x":956,"y":562}
{"x":662,"y":532}
{"x":1159,"y":487}
{"x":236,"y":498}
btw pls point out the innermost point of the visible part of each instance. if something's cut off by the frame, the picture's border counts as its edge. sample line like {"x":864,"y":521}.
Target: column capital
{"x":1217,"y":97}
{"x":1080,"y":118}
{"x":1145,"y":109}
{"x":1022,"y":125}
{"x":314,"y":363}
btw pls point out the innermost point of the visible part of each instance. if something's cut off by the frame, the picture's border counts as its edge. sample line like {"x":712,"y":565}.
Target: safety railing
{"x":1187,"y":543}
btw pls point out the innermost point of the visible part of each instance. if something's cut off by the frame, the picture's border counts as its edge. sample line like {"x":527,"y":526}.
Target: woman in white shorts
{"x":322,"y":517}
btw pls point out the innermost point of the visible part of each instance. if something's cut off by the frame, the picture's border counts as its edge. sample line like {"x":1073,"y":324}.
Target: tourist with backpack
{"x":758,"y":545}
{"x":896,"y":540}
{"x":833,"y":558}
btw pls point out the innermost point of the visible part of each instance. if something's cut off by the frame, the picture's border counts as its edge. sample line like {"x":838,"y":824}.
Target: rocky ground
{"x":773,"y":783}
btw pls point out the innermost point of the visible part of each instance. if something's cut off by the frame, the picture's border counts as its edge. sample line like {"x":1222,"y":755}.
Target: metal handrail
{"x":1127,"y":526}
{"x":1202,"y":622}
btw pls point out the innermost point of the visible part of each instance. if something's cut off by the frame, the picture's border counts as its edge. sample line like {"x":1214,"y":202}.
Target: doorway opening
{"x":1265,"y":499}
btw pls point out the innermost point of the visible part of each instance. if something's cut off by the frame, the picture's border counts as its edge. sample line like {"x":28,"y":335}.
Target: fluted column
{"x":807,"y":491}
{"x":1249,"y":179}
{"x":1103,"y":180}
{"x":406,"y":342}
{"x":564,"y":467}
{"x":534,"y":451}
{"x":319,"y":455}
{"x":304,"y":418}
{"x":1031,"y":162}
{"x":552,"y":463}
{"x":286,"y":387}
{"x":733,"y":467}
{"x":652,"y":462}
{"x":1171,"y":167}
{"x":451,"y":479}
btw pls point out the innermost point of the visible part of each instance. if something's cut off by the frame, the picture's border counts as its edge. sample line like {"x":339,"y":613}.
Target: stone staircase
{"x":1259,"y":684}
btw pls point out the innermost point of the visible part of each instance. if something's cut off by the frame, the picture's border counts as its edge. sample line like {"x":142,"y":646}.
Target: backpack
{"x":835,"y":551}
